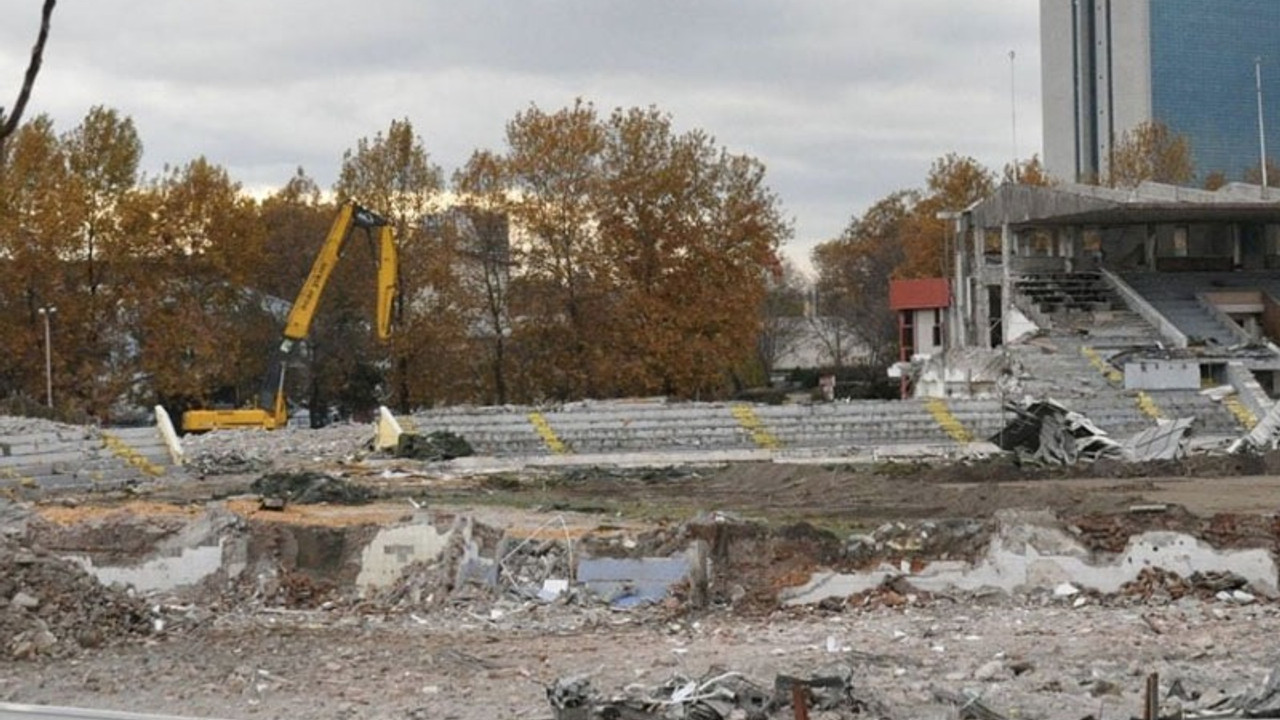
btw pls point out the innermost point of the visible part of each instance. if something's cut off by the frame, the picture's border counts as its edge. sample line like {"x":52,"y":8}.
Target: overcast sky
{"x":844,"y":101}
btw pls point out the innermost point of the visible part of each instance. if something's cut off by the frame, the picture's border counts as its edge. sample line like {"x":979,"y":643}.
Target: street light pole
{"x":45,"y":312}
{"x":1262,"y":130}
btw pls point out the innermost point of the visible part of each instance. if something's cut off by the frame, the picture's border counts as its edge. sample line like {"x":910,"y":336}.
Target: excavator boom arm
{"x":298,"y":324}
{"x":388,"y":274}
{"x":272,"y":412}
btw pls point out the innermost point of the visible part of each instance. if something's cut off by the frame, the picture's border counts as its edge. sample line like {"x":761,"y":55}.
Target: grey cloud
{"x":843,"y":101}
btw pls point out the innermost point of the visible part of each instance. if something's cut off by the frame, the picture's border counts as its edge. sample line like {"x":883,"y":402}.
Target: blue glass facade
{"x":1202,"y":78}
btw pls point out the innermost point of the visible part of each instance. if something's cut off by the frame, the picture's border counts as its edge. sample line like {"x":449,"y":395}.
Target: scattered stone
{"x":1100,"y":688}
{"x":993,"y":670}
{"x":1065,"y":590}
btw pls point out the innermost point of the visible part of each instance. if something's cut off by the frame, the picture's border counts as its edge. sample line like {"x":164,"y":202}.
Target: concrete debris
{"x":1262,"y":437}
{"x":1035,"y":553}
{"x":433,"y":447}
{"x":1168,"y":440}
{"x":968,"y":706}
{"x":1263,"y":702}
{"x":49,"y":607}
{"x":1157,"y":584}
{"x":226,"y":461}
{"x":1218,"y":393}
{"x":1045,"y":432}
{"x":307,"y":487}
{"x":718,"y":695}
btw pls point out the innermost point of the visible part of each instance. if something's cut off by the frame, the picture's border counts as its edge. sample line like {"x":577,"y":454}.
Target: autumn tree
{"x":1254,"y":174}
{"x":392,"y":174}
{"x":687,"y":234}
{"x":954,"y":183}
{"x":200,"y":334}
{"x":10,"y":121}
{"x":1150,"y":151}
{"x":1027,"y":172}
{"x":553,"y":160}
{"x":1215,"y":180}
{"x":783,"y":316}
{"x":487,"y":259}
{"x":852,"y":316}
{"x":39,"y":223}
{"x":103,"y":154}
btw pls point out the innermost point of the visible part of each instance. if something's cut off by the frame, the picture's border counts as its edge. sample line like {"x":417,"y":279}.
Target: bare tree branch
{"x":9,"y":125}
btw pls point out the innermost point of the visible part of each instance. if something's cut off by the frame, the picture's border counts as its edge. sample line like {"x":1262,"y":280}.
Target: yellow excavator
{"x":273,"y":411}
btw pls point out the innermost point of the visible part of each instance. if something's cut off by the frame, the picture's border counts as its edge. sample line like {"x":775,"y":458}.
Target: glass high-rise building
{"x":1108,"y":65}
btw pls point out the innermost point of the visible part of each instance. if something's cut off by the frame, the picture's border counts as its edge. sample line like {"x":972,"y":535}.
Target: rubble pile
{"x":894,"y":592}
{"x":229,"y":461}
{"x":432,"y":447}
{"x":719,"y":694}
{"x":463,"y":573}
{"x":224,"y":453}
{"x":11,"y":426}
{"x":1046,"y":432}
{"x":1158,"y":585}
{"x":50,"y":607}
{"x":306,"y":488}
{"x":944,"y":539}
{"x":536,"y":569}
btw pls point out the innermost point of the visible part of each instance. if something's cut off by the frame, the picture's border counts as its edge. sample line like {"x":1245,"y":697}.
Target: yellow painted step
{"x":751,"y":422}
{"x":949,"y":423}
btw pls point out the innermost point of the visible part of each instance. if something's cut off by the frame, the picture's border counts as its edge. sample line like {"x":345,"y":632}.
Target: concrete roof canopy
{"x":1024,"y":206}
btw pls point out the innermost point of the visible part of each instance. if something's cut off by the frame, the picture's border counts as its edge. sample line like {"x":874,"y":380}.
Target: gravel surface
{"x":1028,"y":657}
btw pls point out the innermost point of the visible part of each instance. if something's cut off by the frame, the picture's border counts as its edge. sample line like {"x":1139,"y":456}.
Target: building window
{"x":1180,"y":241}
{"x":937,"y":328}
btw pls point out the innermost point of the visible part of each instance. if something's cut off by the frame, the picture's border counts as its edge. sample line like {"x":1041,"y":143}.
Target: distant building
{"x":922,"y":306}
{"x":1108,"y":65}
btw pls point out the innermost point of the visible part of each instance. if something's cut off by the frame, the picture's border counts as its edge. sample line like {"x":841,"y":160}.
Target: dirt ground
{"x":1030,"y":655}
{"x":861,"y":497}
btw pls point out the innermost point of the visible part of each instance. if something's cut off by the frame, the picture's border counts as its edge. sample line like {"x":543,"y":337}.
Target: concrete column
{"x":981,"y":301}
{"x":1007,"y":238}
{"x":957,"y":328}
{"x":1149,"y":248}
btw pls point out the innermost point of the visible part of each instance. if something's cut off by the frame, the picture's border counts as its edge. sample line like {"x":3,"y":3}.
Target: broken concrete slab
{"x":628,"y":582}
{"x":1165,"y":441}
{"x":1027,"y":554}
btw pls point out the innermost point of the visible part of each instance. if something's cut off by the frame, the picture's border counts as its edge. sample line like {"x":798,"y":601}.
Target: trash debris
{"x":1045,"y":432}
{"x":553,"y":589}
